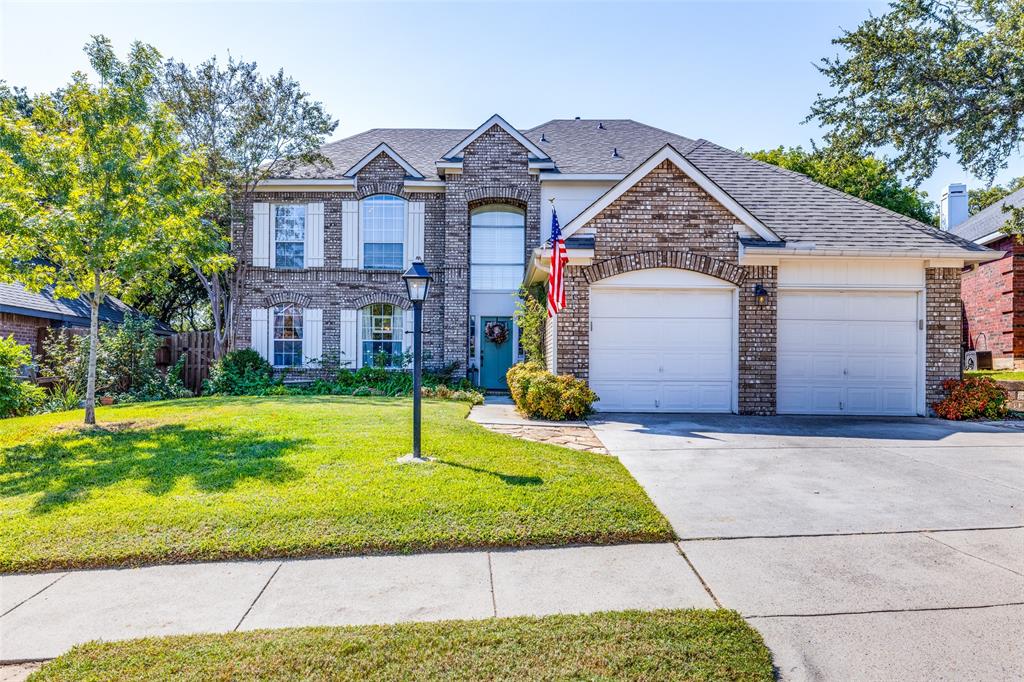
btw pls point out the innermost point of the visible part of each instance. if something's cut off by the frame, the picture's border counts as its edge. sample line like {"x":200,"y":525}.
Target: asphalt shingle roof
{"x":990,"y":219}
{"x":586,"y":146}
{"x":790,"y":204}
{"x":421,"y":147}
{"x":800,"y":210}
{"x":15,"y":298}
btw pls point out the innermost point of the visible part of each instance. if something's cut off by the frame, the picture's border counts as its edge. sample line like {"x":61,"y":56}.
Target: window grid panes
{"x":287,"y":336}
{"x":497,"y":248}
{"x":383,"y":225}
{"x":289,"y":235}
{"x":382,"y":334}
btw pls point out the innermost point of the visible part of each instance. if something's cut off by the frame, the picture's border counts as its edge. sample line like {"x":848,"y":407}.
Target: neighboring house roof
{"x":789,"y":204}
{"x":14,"y":298}
{"x":989,"y":220}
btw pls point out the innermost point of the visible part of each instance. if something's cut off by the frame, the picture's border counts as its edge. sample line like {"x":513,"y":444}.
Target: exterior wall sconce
{"x":760,"y":294}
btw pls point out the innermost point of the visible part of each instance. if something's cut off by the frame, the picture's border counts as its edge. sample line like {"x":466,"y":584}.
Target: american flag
{"x":556,"y":278}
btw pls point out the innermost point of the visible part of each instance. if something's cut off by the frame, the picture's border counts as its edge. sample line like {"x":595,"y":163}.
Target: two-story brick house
{"x":699,"y":280}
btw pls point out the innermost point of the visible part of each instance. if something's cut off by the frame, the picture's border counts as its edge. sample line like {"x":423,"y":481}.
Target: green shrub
{"x":972,"y":398}
{"x":63,"y":397}
{"x":17,"y":396}
{"x":531,"y":316}
{"x":240,"y":372}
{"x":539,"y":394}
{"x":443,"y":392}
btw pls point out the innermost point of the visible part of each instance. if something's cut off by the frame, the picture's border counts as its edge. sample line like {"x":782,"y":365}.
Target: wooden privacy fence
{"x":197,"y":347}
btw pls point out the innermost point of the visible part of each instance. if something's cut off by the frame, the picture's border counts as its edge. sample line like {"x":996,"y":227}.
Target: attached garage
{"x":850,"y":352}
{"x":663,"y":340}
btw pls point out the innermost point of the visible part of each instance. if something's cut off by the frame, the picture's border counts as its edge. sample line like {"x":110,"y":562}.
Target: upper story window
{"x":289,"y":230}
{"x":287,"y":336}
{"x":497,"y":248}
{"x":383,"y":238}
{"x":382,"y":336}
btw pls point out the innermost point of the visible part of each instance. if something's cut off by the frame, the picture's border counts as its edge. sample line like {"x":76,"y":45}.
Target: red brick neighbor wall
{"x":943,"y":325}
{"x":25,"y":329}
{"x":993,"y":305}
{"x":667,"y":220}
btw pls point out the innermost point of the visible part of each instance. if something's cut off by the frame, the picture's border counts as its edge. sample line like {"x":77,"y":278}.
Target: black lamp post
{"x":417,"y":282}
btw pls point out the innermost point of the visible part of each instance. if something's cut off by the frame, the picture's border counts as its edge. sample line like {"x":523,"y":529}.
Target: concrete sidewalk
{"x":45,"y":614}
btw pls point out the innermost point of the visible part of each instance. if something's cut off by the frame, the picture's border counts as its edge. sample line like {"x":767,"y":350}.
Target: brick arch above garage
{"x":680,"y":260}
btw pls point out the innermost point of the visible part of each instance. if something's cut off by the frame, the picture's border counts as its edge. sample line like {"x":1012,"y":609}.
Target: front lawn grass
{"x":632,"y":645}
{"x":998,"y":374}
{"x":218,"y":478}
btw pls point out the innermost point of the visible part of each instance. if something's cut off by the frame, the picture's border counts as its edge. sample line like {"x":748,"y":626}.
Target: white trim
{"x":295,"y":184}
{"x":424,"y":185}
{"x":383,"y":148}
{"x":669,"y":153}
{"x":536,"y":151}
{"x":540,"y":165}
{"x":959,"y":255}
{"x":554,"y":176}
{"x":991,"y":237}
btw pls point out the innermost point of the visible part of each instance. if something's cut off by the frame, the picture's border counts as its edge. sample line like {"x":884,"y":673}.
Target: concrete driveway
{"x":862,"y":549}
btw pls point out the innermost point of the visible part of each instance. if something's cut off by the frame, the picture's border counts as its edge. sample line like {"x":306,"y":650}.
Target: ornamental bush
{"x":240,"y":372}
{"x":972,"y":398}
{"x":539,"y":394}
{"x":17,"y":396}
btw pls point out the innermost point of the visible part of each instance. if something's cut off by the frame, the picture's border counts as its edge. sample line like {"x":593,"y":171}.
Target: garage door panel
{"x":848,"y":353}
{"x":662,"y":350}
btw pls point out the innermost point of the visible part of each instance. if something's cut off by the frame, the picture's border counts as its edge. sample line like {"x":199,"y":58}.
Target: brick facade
{"x":667,"y":220}
{"x":993,"y":305}
{"x":24,"y":328}
{"x":495,"y":169}
{"x":943,"y":325}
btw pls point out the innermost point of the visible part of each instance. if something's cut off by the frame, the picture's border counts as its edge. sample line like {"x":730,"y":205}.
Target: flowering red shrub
{"x":972,"y":398}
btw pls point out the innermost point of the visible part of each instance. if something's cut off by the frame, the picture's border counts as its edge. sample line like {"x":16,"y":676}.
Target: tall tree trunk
{"x":94,"y":342}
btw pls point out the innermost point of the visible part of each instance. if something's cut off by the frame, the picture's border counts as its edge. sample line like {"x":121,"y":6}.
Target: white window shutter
{"x":314,"y":246}
{"x":312,"y":336}
{"x":350,"y":338}
{"x":261,"y":234}
{"x":407,"y":329}
{"x":259,"y":336}
{"x":414,"y":231}
{"x":350,"y":234}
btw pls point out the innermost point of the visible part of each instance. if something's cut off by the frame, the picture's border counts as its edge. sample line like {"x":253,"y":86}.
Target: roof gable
{"x":672,"y":155}
{"x":384,"y":148}
{"x":496,"y":120}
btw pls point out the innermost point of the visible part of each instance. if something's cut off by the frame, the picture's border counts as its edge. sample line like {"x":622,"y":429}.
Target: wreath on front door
{"x":496,"y":332}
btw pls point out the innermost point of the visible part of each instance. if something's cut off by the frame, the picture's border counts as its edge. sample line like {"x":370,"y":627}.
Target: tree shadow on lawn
{"x":509,"y":479}
{"x":68,"y":467}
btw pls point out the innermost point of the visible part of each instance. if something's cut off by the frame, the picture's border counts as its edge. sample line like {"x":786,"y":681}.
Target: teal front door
{"x":495,"y":351}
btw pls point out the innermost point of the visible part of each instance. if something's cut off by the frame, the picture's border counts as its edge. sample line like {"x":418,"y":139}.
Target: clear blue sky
{"x":739,"y":74}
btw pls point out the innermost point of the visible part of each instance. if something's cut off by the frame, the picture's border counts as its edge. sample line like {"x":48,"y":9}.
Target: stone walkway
{"x":500,"y":415}
{"x":44,"y":614}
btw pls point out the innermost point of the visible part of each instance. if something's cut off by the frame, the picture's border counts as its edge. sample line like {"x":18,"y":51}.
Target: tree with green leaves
{"x":247,"y":128}
{"x":95,"y":189}
{"x":927,"y":75}
{"x":861,"y":175}
{"x":983,"y":197}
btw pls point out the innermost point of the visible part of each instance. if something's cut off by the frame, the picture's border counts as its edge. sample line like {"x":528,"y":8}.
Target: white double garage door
{"x":674,"y":348}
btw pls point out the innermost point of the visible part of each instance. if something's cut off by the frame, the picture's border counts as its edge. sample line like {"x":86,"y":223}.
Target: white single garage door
{"x":662,"y":350}
{"x":848,"y":353}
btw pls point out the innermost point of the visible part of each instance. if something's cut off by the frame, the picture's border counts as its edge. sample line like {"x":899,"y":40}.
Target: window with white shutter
{"x":312,"y":336}
{"x":259,"y":335}
{"x":350,"y":234}
{"x":261,"y":235}
{"x":349,"y":348}
{"x":314,"y":244}
{"x":414,"y":232}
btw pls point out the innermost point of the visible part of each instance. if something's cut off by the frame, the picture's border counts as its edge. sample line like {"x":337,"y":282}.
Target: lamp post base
{"x":413,"y":459}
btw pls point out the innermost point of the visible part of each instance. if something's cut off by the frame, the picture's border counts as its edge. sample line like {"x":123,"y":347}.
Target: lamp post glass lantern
{"x":417,"y":284}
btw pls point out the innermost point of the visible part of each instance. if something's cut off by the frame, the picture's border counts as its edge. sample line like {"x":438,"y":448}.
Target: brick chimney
{"x":953,"y":207}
